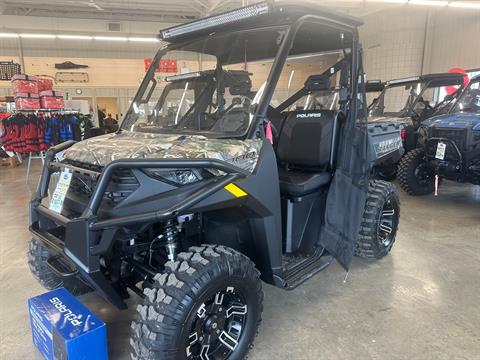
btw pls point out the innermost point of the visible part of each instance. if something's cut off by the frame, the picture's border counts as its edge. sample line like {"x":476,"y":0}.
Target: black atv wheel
{"x":206,"y":305}
{"x":37,"y":256}
{"x":414,"y":176}
{"x":380,"y":221}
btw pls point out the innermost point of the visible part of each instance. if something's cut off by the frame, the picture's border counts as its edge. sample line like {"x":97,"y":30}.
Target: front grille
{"x":122,"y":184}
{"x":458,"y":136}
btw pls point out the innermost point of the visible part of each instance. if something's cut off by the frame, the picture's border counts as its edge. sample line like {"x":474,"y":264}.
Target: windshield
{"x":396,"y":99}
{"x":215,"y":90}
{"x":469,"y":101}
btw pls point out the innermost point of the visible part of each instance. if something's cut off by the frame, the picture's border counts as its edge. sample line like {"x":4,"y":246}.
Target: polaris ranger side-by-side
{"x":448,"y":147}
{"x":190,"y":204}
{"x":409,"y":101}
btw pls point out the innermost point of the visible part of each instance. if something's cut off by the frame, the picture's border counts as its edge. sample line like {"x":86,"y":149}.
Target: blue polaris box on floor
{"x":63,"y":328}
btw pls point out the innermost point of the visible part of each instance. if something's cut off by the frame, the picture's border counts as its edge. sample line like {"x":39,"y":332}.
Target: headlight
{"x":176,"y":176}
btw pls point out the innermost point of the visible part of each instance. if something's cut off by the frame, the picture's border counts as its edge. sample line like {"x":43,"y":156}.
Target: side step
{"x":297,"y":270}
{"x":61,"y":267}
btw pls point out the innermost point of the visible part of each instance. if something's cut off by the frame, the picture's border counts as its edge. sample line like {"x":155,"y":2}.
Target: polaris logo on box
{"x":309,"y":115}
{"x":67,"y":313}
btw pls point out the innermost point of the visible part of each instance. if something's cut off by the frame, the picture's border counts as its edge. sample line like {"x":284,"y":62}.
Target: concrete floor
{"x":421,"y":302}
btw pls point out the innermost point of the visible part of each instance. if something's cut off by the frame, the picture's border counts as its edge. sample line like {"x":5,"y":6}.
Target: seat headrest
{"x":306,"y":138}
{"x":318,"y":83}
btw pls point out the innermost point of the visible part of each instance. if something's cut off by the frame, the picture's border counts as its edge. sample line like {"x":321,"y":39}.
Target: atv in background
{"x":448,"y":147}
{"x":410,"y":101}
{"x":189,"y":204}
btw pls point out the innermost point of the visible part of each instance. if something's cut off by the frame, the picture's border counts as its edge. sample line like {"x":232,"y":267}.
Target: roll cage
{"x":288,"y":26}
{"x":426,"y":82}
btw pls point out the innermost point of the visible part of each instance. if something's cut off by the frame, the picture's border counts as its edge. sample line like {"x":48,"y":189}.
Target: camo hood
{"x":102,"y":150}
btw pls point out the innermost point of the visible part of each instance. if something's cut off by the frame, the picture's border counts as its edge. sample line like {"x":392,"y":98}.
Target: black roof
{"x":225,"y":31}
{"x":435,"y":80}
{"x":268,"y":13}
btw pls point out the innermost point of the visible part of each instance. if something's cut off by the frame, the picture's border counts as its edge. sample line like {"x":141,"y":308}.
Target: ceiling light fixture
{"x":110,"y":38}
{"x":75,"y":37}
{"x":38,"y":36}
{"x":464,"y":5}
{"x":143,"y":39}
{"x":428,"y":2}
{"x":8,"y":35}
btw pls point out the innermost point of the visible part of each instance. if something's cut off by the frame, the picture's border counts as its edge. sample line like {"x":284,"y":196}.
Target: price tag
{"x":441,"y":151}
{"x":58,"y":197}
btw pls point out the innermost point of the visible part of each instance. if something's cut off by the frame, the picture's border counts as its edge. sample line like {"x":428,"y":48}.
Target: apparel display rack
{"x":40,"y":155}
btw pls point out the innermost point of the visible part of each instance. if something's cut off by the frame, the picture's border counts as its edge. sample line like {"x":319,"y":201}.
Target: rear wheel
{"x":206,"y":305}
{"x":37,"y":261}
{"x":414,"y":175}
{"x":380,"y":221}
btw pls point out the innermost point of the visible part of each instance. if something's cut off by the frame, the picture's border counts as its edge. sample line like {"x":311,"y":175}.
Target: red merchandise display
{"x":44,"y":84}
{"x":51,"y":100}
{"x":25,"y":84}
{"x":27,"y":101}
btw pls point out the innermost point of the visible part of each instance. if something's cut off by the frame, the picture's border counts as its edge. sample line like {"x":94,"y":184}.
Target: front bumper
{"x":84,"y":239}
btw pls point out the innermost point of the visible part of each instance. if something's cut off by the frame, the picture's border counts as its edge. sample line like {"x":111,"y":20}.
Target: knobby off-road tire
{"x":414,"y":176}
{"x":37,"y":257}
{"x":380,"y":221}
{"x":207,"y":304}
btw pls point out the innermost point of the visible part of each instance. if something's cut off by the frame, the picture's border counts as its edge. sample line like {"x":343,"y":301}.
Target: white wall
{"x":411,"y":40}
{"x":456,"y":40}
{"x":393,"y":42}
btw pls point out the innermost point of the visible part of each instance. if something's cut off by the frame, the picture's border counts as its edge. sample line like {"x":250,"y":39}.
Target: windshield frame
{"x":259,"y":110}
{"x":474,"y":80}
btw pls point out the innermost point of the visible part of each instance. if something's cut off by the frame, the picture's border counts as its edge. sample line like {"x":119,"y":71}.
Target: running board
{"x":298,"y":271}
{"x":61,"y":266}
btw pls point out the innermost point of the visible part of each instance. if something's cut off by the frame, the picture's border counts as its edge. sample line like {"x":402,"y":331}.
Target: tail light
{"x":402,"y":134}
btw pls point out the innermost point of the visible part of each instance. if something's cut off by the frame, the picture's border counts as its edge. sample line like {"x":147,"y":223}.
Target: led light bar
{"x":183,"y":76}
{"x":399,"y":81}
{"x":216,"y":20}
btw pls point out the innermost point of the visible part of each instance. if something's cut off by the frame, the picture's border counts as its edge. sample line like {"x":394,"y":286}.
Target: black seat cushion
{"x":301,"y":183}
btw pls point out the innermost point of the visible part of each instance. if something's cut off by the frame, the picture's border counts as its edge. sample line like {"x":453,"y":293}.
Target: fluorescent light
{"x":143,"y":39}
{"x":428,"y":2}
{"x":391,"y":1}
{"x":75,"y":37}
{"x":38,"y":36}
{"x":110,"y":38}
{"x":8,"y":35}
{"x":464,"y":5}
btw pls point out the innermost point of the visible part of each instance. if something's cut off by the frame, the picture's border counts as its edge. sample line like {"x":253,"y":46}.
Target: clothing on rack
{"x":35,"y":132}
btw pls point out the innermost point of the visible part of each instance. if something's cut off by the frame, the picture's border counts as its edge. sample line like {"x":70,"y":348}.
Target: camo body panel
{"x":102,"y":150}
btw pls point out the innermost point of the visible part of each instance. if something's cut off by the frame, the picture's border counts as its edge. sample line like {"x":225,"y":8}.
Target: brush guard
{"x":83,"y":240}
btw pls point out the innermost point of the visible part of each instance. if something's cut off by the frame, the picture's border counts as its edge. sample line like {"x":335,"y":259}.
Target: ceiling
{"x":167,"y":10}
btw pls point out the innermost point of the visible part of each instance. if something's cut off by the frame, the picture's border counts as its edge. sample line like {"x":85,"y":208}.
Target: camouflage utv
{"x":208,"y":187}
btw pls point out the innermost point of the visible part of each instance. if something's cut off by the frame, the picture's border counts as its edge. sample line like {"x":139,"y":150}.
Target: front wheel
{"x":380,"y":221}
{"x":206,"y":305}
{"x":414,"y":175}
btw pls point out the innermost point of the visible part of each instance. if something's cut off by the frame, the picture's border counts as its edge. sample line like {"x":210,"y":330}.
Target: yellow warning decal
{"x":235,"y":190}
